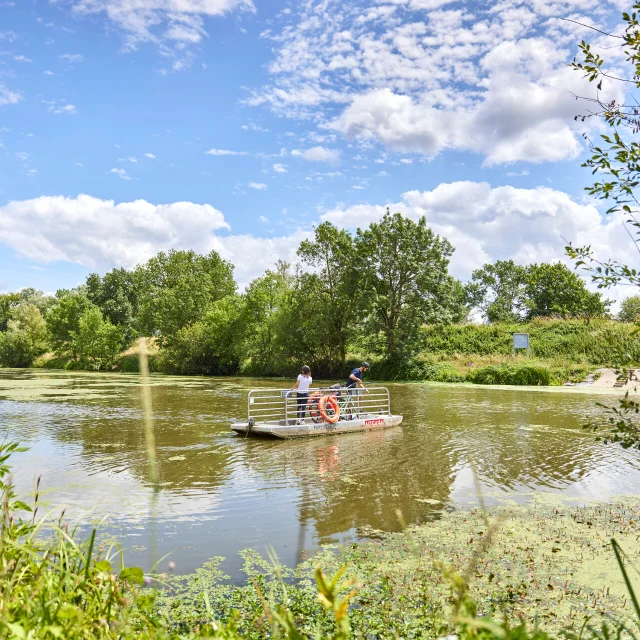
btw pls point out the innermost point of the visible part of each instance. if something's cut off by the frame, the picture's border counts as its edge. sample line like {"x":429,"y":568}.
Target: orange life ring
{"x":331,"y":403}
{"x":312,"y":403}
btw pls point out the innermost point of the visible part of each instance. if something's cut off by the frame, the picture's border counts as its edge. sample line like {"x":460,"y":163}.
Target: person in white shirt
{"x":302,"y":388}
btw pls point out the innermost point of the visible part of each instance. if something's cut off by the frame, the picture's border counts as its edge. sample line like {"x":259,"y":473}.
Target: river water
{"x":220,"y":493}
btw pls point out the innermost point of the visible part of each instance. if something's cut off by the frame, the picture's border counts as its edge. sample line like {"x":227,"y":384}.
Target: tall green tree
{"x":176,"y":289}
{"x":7,"y":302}
{"x":555,"y":290}
{"x":214,"y":345}
{"x":333,"y":283}
{"x":26,"y":336}
{"x":498,"y":291}
{"x":116,"y":294}
{"x":630,"y":309}
{"x":266,"y":318}
{"x":404,"y":280}
{"x":96,"y":342}
{"x":63,"y":320}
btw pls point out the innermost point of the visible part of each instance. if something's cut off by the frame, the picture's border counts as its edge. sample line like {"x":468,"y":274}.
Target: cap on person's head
{"x":306,"y":369}
{"x":365,"y":365}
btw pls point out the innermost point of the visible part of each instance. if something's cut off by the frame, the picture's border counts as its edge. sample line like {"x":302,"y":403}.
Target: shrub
{"x":521,"y":374}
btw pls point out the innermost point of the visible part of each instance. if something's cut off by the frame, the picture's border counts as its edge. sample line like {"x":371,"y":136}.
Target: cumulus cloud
{"x":8,"y":97}
{"x":487,"y":224}
{"x":258,"y":186}
{"x":150,"y":156}
{"x":100,"y":234}
{"x":420,"y":76}
{"x":483,"y":223}
{"x":318,"y":154}
{"x":279,"y":168}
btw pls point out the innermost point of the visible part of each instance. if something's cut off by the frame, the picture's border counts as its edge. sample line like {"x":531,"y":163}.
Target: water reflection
{"x":220,"y":493}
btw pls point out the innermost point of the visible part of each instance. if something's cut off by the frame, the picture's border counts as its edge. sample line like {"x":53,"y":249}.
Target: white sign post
{"x":521,"y":341}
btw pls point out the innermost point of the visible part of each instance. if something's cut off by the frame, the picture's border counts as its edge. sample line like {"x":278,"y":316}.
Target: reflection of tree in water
{"x":188,"y":421}
{"x":357,"y":480}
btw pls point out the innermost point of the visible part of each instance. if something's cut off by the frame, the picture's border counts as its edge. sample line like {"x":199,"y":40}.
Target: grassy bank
{"x":561,"y":351}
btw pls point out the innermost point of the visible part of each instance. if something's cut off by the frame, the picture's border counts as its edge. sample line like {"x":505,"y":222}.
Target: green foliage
{"x":211,"y":346}
{"x":619,"y":423}
{"x":117,"y":296}
{"x":268,"y":301}
{"x":617,"y":156}
{"x":63,"y":320}
{"x":498,"y":291}
{"x":177,"y":288}
{"x":630,"y":309}
{"x":520,"y":374}
{"x":26,"y":336}
{"x":333,"y":287}
{"x":555,"y":290}
{"x":7,"y":302}
{"x":97,"y":342}
{"x":598,"y":342}
{"x":404,"y":281}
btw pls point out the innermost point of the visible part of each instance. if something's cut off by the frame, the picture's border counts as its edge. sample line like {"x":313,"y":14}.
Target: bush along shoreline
{"x":562,"y":351}
{"x":515,"y":573}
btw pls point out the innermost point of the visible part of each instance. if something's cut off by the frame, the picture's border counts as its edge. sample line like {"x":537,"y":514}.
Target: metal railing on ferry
{"x":280,"y":406}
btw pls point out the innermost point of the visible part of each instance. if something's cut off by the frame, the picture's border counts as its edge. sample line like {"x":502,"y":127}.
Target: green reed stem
{"x":145,"y":392}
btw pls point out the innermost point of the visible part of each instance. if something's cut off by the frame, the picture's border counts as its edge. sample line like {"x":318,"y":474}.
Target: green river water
{"x":220,"y":493}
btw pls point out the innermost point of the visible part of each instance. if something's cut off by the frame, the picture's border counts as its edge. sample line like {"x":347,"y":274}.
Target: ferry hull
{"x":281,"y":429}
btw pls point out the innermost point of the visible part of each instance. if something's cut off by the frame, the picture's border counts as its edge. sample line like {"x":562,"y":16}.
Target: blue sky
{"x":128,"y":128}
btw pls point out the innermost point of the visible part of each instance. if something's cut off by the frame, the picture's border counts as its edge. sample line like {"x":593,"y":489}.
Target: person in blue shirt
{"x":354,"y":382}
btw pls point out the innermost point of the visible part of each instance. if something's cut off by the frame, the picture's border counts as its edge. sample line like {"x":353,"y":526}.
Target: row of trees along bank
{"x":372,"y":293}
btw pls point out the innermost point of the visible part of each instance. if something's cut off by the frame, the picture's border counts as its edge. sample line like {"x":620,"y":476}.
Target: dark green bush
{"x":518,"y":374}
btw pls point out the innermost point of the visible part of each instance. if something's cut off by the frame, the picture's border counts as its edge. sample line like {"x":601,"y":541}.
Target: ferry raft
{"x":277,"y":413}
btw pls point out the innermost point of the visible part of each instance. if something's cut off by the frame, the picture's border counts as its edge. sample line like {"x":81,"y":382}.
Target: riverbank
{"x":562,"y":352}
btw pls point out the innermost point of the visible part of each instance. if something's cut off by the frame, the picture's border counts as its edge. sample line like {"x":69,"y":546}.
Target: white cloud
{"x":150,"y":155}
{"x":60,"y":108}
{"x":48,"y":73}
{"x":254,"y":127}
{"x":486,"y":224}
{"x":173,"y":25}
{"x":225,"y":152}
{"x":279,"y":168}
{"x":258,"y":186}
{"x":71,"y":57}
{"x":318,"y":154}
{"x":100,"y":234}
{"x":22,"y":155}
{"x":121,"y":173}
{"x":264,"y":219}
{"x":419,"y":77}
{"x":22,"y":58}
{"x":8,"y":97}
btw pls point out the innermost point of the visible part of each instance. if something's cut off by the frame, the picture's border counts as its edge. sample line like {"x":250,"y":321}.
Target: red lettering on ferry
{"x":371,"y":423}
